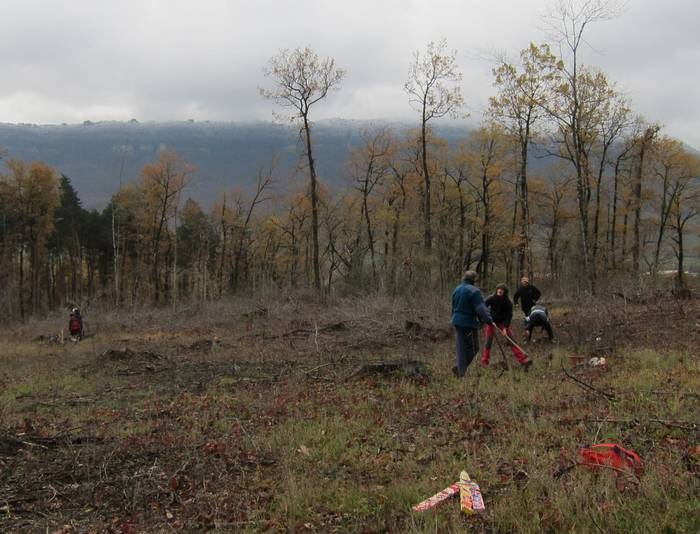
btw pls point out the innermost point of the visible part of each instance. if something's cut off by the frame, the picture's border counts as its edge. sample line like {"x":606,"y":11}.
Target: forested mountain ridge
{"x":226,"y":154}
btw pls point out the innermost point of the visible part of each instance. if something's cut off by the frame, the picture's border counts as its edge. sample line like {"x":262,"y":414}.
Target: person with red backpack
{"x":75,"y":324}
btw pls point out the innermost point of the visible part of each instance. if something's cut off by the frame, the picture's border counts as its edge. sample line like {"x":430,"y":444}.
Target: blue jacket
{"x":468,"y":307}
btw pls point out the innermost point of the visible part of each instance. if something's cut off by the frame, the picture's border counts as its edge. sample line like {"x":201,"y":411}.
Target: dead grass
{"x":252,"y":417}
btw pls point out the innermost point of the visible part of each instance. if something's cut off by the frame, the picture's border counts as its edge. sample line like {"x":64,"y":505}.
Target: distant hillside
{"x":225,"y":154}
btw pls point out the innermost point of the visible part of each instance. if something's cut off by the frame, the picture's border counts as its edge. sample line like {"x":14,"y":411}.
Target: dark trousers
{"x":545,"y":325}
{"x":467,"y":347}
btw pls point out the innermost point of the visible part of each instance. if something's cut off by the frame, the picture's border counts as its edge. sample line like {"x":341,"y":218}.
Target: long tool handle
{"x":510,"y":340}
{"x":505,"y":360}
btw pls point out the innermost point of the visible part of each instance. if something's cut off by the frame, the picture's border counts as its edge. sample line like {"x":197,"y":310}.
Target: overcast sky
{"x":73,"y":60}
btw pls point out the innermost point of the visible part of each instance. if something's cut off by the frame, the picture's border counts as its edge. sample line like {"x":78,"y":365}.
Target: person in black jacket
{"x":502,"y":313}
{"x":528,"y":295}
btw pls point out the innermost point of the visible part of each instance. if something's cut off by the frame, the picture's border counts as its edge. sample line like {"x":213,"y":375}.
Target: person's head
{"x":524,"y":281}
{"x":75,"y":310}
{"x":501,"y":290}
{"x":469,"y":276}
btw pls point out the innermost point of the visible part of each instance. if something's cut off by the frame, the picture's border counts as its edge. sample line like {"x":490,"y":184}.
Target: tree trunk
{"x":648,"y":136}
{"x":518,"y":251}
{"x":625,"y":228}
{"x":524,"y":255}
{"x":485,"y":236}
{"x":370,"y":236}
{"x":223,"y":237}
{"x":665,"y":212}
{"x":596,"y":216}
{"x":613,"y":229}
{"x":313,"y":190}
{"x":680,"y":254}
{"x":462,"y":230}
{"x":427,"y":232}
{"x":22,"y":311}
{"x":581,"y":196}
{"x":174,"y":282}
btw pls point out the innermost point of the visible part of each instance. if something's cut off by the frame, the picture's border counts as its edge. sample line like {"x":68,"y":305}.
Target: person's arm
{"x":481,"y":310}
{"x":516,"y":296}
{"x":509,"y":313}
{"x":535,"y":294}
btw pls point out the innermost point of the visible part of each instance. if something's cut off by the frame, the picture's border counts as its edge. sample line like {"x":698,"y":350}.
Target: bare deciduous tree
{"x":432,"y":92}
{"x":301,"y":80}
{"x":577,"y":98}
{"x":368,"y":165}
{"x":522,"y":90}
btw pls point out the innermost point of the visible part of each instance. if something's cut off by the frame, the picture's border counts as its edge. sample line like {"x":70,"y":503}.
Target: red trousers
{"x":489,"y":333}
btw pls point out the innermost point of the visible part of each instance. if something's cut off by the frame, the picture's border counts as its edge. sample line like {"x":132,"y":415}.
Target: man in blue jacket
{"x":468,"y":312}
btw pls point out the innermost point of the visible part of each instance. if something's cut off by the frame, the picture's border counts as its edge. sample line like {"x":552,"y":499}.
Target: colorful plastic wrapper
{"x":438,"y":498}
{"x":470,"y":498}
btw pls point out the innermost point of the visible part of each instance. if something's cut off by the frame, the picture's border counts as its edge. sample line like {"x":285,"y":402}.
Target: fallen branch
{"x":409,"y":368}
{"x":325,"y":328}
{"x":586,"y":386}
{"x":317,"y":368}
{"x":73,"y":401}
{"x":684,"y":425}
{"x":681,"y":393}
{"x":11,"y":445}
{"x":632,"y":476}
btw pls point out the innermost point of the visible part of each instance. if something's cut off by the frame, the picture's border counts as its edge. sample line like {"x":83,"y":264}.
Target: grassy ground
{"x":244,"y":418}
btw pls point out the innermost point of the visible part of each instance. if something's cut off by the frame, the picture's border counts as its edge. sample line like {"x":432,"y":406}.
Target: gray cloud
{"x":174,"y":59}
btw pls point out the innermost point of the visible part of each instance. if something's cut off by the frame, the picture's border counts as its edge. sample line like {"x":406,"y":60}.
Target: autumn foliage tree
{"x":162,"y":183}
{"x":29,"y":196}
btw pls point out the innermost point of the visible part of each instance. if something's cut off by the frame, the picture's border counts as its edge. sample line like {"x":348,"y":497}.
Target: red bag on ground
{"x":611,"y":455}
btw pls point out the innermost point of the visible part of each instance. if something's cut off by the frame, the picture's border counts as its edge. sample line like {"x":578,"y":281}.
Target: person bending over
{"x":539,"y":316}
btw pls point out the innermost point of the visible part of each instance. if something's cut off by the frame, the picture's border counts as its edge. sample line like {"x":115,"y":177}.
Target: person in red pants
{"x":502,"y":312}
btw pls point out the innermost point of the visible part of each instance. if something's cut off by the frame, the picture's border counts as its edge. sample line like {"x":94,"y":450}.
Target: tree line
{"x":610,"y":197}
